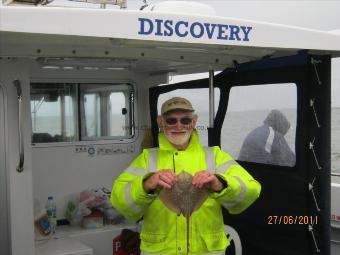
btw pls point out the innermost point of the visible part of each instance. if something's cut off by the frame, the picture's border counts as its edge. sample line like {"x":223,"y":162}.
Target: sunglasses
{"x":183,"y":121}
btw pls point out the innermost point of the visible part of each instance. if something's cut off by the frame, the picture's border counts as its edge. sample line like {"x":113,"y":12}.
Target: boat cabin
{"x":80,"y":91}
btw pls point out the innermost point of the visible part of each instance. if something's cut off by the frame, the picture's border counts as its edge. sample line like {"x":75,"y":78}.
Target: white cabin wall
{"x":4,"y":181}
{"x":20,"y":184}
{"x":60,"y":171}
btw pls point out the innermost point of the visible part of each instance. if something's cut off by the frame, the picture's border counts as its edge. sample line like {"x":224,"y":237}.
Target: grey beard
{"x":178,"y":140}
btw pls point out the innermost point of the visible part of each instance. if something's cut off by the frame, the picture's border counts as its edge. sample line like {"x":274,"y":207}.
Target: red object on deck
{"x":117,"y":247}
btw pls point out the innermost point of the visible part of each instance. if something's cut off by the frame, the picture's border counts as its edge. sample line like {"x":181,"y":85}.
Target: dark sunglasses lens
{"x":186,"y":121}
{"x":171,"y":121}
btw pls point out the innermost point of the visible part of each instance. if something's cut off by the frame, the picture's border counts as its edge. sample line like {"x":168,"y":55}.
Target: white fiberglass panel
{"x":4,"y":230}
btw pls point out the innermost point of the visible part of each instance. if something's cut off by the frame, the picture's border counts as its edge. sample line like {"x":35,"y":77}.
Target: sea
{"x":235,"y":128}
{"x":237,"y":125}
{"x":335,"y":140}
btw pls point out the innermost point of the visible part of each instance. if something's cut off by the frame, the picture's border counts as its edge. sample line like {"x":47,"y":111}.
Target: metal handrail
{"x":211,"y":99}
{"x":20,"y":166}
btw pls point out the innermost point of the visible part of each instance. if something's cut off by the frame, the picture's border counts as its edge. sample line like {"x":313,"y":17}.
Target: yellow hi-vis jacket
{"x":163,"y":232}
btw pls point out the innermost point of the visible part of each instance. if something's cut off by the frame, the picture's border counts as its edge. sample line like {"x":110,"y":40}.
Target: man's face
{"x":177,"y":126}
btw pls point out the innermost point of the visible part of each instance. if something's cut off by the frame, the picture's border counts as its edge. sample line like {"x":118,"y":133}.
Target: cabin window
{"x":53,"y":112}
{"x":199,"y":99}
{"x":260,"y":124}
{"x":335,"y":139}
{"x":101,"y":111}
{"x":92,"y":121}
{"x":106,"y":111}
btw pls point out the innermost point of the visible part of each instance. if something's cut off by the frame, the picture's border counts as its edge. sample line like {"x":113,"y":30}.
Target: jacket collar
{"x":164,"y":143}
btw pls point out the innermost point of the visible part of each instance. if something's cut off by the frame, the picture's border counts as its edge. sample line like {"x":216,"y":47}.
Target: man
{"x":135,"y":192}
{"x":266,"y":144}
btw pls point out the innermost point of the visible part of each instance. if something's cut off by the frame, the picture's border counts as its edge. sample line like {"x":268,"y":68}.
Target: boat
{"x":80,"y":90}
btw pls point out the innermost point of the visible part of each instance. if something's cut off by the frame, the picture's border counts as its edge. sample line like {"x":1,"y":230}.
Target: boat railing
{"x":121,"y":3}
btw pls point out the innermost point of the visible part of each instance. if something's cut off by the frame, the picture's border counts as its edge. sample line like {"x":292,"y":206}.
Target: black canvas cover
{"x":292,"y":215}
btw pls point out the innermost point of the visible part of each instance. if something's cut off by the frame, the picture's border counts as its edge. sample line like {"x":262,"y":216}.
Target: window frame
{"x":277,"y":84}
{"x":62,"y":110}
{"x":82,"y":109}
{"x":110,"y":139}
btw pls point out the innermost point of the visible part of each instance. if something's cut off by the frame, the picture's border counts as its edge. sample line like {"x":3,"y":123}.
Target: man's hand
{"x":207,"y":179}
{"x":161,"y":179}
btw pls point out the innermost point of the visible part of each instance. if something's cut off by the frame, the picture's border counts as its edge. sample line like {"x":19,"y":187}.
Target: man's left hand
{"x":207,"y":179}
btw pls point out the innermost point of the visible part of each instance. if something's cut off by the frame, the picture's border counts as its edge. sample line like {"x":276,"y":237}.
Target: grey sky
{"x":241,"y":98}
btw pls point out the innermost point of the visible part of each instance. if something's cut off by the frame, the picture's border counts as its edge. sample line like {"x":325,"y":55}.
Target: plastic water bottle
{"x":51,"y":210}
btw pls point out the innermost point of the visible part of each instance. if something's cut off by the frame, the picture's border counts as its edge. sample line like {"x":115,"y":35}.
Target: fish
{"x":184,"y":198}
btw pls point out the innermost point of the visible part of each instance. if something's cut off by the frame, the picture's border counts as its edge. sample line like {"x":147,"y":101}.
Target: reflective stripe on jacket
{"x":163,"y":232}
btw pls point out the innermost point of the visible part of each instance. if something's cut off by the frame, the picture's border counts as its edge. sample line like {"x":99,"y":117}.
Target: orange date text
{"x":292,"y":220}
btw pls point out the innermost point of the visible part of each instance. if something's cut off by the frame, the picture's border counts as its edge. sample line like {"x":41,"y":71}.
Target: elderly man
{"x":135,"y":192}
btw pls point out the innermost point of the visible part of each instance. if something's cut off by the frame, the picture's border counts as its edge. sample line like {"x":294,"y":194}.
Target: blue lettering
{"x":246,"y":31}
{"x":234,"y":30}
{"x":221,"y":30}
{"x":168,"y":28}
{"x":210,"y":29}
{"x":143,"y":30}
{"x":159,"y":25}
{"x":178,"y":33}
{"x":192,"y":30}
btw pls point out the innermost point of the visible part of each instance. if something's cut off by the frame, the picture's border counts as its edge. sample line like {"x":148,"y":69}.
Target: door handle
{"x":20,"y":166}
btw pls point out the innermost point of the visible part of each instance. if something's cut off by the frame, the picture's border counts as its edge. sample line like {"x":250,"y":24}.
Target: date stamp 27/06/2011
{"x":292,"y":220}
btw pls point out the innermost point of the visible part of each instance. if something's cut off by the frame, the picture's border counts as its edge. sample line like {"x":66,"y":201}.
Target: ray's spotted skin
{"x":184,"y":198}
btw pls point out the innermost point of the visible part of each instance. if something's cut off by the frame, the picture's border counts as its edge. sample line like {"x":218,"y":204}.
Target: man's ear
{"x":194,"y":121}
{"x":160,"y":122}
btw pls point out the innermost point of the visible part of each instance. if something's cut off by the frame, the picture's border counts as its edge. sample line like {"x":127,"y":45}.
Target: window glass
{"x":92,"y":114}
{"x":52,"y":112}
{"x":106,"y":111}
{"x":335,"y":138}
{"x":118,"y":124}
{"x":199,"y":99}
{"x":260,"y":124}
{"x":335,"y":116}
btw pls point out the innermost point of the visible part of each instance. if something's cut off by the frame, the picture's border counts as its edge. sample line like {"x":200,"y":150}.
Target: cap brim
{"x":177,"y":109}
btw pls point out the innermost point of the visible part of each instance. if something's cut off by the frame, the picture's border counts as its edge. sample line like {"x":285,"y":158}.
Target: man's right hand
{"x":164,"y":178}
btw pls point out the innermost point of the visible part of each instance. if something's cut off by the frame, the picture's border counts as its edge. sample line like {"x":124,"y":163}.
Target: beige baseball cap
{"x":176,"y":103}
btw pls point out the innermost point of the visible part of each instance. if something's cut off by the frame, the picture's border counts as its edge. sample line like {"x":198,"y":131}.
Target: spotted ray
{"x":184,"y":198}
